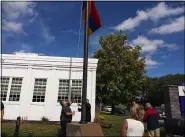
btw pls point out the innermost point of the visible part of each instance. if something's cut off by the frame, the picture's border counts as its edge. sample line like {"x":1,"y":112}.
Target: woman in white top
{"x":134,"y":126}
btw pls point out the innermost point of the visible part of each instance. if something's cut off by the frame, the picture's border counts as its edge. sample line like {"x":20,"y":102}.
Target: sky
{"x":56,"y":29}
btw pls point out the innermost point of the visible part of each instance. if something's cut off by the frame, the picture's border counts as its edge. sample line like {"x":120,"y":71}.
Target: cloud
{"x":34,"y":17}
{"x":71,"y":31}
{"x":175,"y":26}
{"x":150,"y":46}
{"x":25,"y":48}
{"x":14,"y":10}
{"x":147,"y":45}
{"x":160,"y":11}
{"x":151,"y":63}
{"x":13,"y":27}
{"x":131,"y":23}
{"x":45,"y":33}
{"x":12,"y":13}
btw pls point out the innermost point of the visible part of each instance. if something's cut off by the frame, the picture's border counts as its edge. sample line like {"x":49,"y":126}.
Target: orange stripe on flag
{"x":89,"y":31}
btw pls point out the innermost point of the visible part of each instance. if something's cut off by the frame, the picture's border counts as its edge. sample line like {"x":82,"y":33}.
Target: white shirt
{"x":135,"y":128}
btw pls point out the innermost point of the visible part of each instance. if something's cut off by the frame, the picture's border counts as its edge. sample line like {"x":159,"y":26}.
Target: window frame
{"x":37,"y":103}
{"x":9,"y":84}
{"x":9,"y":89}
{"x":70,"y":90}
{"x":65,"y":86}
{"x":77,"y":87}
{"x":14,"y":85}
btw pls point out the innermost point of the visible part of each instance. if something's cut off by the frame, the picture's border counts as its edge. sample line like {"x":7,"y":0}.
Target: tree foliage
{"x":155,"y":87}
{"x":120,"y":69}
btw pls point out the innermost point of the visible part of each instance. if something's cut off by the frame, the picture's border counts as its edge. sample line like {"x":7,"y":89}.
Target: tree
{"x":120,"y":69}
{"x":155,"y":89}
{"x":146,"y":84}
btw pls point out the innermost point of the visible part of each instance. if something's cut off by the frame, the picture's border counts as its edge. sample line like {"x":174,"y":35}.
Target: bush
{"x":44,"y":119}
{"x":102,"y":120}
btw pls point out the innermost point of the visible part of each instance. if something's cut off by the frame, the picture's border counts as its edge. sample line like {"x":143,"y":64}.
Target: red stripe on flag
{"x":94,"y":14}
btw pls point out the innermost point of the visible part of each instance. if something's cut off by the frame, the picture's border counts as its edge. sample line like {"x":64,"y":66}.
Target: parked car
{"x":119,"y":111}
{"x":107,"y":108}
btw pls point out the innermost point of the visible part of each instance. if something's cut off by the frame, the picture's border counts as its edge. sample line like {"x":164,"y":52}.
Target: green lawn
{"x":53,"y":130}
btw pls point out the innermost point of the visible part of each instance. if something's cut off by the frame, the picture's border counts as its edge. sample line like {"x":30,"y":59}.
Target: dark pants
{"x":63,"y":125}
{"x":63,"y":128}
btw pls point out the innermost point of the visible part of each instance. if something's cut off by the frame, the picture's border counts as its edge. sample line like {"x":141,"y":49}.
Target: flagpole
{"x":85,"y":65}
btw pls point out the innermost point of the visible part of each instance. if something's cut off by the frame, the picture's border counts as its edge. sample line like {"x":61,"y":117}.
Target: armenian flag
{"x":94,"y":22}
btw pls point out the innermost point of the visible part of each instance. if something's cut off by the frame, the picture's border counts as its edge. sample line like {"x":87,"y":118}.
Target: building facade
{"x":32,"y":85}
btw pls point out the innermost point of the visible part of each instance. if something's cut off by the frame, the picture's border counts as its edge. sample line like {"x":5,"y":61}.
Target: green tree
{"x":156,"y":88}
{"x":120,"y":69}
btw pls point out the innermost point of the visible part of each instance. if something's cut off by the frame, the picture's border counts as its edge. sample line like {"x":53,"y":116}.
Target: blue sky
{"x":53,"y":29}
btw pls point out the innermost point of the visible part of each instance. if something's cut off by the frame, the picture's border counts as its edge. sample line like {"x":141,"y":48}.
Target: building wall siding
{"x":50,"y":108}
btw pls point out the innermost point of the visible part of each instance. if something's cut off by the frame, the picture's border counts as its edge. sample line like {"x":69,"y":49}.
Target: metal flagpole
{"x":85,"y":64}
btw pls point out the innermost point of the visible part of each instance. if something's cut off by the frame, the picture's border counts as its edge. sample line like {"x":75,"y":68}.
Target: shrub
{"x":102,"y":120}
{"x":44,"y":119}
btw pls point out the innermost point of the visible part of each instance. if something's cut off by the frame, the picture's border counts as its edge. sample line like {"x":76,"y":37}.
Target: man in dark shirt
{"x":151,"y":117}
{"x":69,"y":110}
{"x":66,"y":117}
{"x":2,"y":110}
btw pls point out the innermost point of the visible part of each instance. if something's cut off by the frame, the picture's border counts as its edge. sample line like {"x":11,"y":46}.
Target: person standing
{"x":66,"y":117}
{"x":70,"y":111}
{"x":62,"y":103}
{"x":88,"y":111}
{"x":133,"y":126}
{"x":151,"y":117}
{"x":2,"y":110}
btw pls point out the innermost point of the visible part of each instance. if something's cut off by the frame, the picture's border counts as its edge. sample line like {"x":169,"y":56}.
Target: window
{"x":76,"y":90}
{"x":15,"y":90}
{"x":4,"y":87}
{"x":39,"y":90}
{"x":63,"y":90}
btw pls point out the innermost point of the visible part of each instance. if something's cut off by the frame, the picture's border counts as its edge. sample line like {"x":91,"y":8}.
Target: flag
{"x":94,"y":19}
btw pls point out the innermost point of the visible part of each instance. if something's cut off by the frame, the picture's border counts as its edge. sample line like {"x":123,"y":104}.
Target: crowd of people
{"x":134,"y":126}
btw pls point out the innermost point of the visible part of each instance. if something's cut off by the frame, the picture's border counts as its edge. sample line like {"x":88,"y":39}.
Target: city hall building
{"x":32,"y":85}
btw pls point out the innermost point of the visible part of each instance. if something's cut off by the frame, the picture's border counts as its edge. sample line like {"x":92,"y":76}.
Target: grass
{"x":42,"y":129}
{"x":36,"y":129}
{"x":116,"y":121}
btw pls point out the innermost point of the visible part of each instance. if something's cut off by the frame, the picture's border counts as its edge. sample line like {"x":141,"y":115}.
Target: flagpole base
{"x":84,"y":130}
{"x":83,"y":122}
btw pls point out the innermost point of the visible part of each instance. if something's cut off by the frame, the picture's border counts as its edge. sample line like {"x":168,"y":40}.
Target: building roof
{"x":37,"y":60}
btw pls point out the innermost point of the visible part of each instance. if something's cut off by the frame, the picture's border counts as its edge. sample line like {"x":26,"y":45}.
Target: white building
{"x":32,"y":85}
